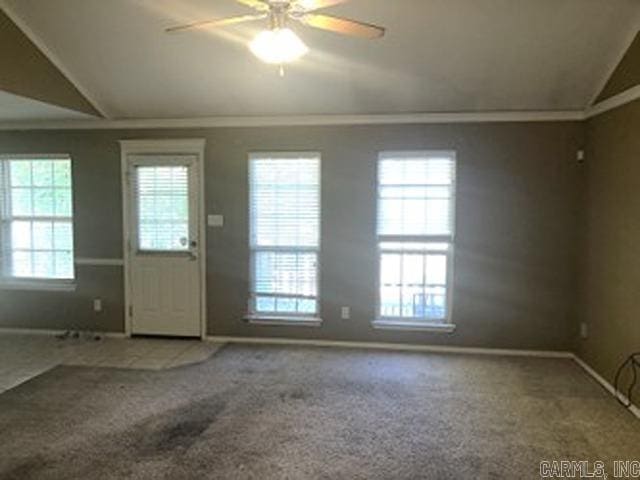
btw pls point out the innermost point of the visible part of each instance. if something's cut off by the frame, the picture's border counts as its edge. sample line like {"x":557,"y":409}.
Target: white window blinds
{"x":284,"y":215}
{"x":416,"y":219}
{"x":285,"y":202}
{"x":415,"y":194}
{"x":162,"y":195}
{"x":37,"y":223}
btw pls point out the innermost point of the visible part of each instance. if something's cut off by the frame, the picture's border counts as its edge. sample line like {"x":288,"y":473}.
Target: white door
{"x":164,"y":269}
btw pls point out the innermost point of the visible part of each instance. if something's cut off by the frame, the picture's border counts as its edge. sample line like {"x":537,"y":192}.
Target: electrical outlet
{"x":215,"y":221}
{"x":584,"y":330}
{"x":345,"y":313}
{"x":97,"y":305}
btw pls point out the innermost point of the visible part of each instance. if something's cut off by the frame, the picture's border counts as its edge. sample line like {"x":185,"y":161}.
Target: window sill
{"x":38,"y":285}
{"x":413,"y":326}
{"x":283,"y":321}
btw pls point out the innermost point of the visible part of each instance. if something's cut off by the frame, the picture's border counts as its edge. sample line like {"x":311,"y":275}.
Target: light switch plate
{"x":345,"y":313}
{"x":215,"y":220}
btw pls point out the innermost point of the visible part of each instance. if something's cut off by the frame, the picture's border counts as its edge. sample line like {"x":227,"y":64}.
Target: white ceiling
{"x":14,"y":107}
{"x":437,"y":56}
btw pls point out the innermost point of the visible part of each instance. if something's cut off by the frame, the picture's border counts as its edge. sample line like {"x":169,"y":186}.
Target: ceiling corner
{"x":623,"y":72}
{"x":32,"y":70}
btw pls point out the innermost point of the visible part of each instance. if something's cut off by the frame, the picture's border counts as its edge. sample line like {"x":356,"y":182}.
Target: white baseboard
{"x":29,"y":331}
{"x":405,"y":347}
{"x":113,"y":334}
{"x":606,"y":385}
{"x":51,"y":333}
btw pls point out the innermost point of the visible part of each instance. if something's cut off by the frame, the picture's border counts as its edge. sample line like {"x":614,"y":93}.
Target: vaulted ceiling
{"x":31,"y":86}
{"x":627,"y":73}
{"x":437,"y":56}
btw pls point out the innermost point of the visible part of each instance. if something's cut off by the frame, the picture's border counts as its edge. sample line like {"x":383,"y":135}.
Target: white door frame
{"x":185,"y":146}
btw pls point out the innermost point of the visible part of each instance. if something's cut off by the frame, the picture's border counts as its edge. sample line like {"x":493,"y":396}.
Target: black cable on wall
{"x":632,"y":362}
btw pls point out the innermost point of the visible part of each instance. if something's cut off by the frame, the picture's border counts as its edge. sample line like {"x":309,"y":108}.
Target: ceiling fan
{"x":278,"y":44}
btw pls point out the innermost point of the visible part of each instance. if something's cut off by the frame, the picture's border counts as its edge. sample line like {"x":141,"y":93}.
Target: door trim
{"x":186,"y":146}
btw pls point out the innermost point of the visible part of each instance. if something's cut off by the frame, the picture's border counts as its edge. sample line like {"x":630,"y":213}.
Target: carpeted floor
{"x":312,"y":413}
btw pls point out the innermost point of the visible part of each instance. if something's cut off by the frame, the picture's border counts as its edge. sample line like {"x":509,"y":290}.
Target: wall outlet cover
{"x":584,"y":330}
{"x":345,"y":313}
{"x":215,"y":220}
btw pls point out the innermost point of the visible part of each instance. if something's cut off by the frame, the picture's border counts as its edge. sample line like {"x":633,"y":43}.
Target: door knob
{"x":193,"y":252}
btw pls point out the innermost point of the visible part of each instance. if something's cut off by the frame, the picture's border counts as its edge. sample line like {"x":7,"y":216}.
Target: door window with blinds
{"x":284,"y":204}
{"x":36,"y":231}
{"x":415,"y":231}
{"x":162,"y":201}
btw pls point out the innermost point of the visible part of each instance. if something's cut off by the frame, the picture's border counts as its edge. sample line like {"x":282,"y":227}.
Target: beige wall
{"x":26,"y":71}
{"x":610,"y":297}
{"x":518,"y":203}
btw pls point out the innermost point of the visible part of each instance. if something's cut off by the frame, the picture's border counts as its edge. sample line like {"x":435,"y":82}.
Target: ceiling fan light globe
{"x":278,"y":46}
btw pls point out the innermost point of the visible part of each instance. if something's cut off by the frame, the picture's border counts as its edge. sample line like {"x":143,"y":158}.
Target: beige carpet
{"x":312,"y":413}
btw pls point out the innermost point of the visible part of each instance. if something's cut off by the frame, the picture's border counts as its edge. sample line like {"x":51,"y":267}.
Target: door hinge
{"x":131,"y":310}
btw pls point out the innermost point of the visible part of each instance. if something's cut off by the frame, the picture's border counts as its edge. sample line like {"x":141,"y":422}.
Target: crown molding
{"x":330,"y":120}
{"x":299,"y":120}
{"x":616,"y":101}
{"x":171,"y":145}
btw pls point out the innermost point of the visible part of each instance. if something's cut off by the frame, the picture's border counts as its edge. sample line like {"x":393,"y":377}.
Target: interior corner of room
{"x":388,"y":182}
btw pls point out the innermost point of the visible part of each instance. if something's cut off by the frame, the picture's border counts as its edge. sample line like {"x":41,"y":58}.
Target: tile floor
{"x":24,"y":356}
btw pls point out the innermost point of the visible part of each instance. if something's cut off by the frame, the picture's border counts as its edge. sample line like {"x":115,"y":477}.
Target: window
{"x":36,"y":218}
{"x":162,"y":197}
{"x":284,"y":212}
{"x":415,"y":230}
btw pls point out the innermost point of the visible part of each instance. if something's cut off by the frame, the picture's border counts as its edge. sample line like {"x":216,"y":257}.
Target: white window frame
{"x":414,"y":323}
{"x":9,"y":282}
{"x":276,"y":319}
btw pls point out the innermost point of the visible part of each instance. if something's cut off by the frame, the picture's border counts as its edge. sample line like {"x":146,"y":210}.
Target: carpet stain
{"x":296,"y":394}
{"x":176,"y":429}
{"x":27,"y":468}
{"x":170,"y":432}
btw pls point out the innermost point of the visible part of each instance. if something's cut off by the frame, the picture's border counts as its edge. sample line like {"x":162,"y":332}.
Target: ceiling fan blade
{"x":257,"y":4}
{"x":217,"y":22}
{"x":309,"y":5}
{"x":342,"y":25}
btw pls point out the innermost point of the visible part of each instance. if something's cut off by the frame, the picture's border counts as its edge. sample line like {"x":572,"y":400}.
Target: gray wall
{"x":517,"y":227}
{"x":611,"y":261}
